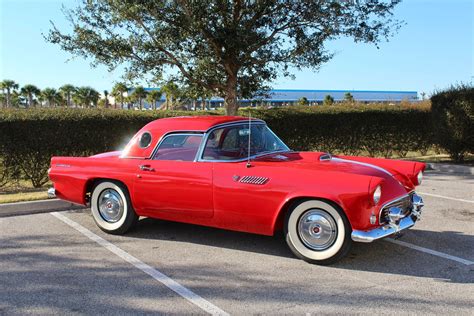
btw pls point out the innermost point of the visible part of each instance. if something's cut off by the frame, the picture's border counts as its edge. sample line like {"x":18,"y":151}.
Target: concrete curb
{"x":35,"y":207}
{"x":448,"y":168}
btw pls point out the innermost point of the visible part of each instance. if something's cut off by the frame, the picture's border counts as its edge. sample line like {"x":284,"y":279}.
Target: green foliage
{"x":118,"y":93}
{"x":303,"y":101}
{"x":85,"y":96}
{"x":233,"y":48}
{"x":348,"y":97}
{"x":51,"y":96}
{"x":139,"y":93}
{"x":453,"y":119}
{"x":28,"y":139}
{"x":380,"y":130}
{"x":153,"y":97}
{"x":30,"y":91}
{"x":328,"y":100}
{"x":66,"y":92}
{"x":9,"y":87}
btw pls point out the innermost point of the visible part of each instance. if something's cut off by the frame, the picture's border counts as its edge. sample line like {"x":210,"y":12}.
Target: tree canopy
{"x":230,"y":48}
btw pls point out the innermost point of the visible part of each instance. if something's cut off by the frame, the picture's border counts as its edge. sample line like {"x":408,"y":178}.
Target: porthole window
{"x":145,"y":140}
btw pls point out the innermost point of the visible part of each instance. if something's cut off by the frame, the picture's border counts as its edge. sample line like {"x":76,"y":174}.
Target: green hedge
{"x":453,"y":120}
{"x":28,"y":138}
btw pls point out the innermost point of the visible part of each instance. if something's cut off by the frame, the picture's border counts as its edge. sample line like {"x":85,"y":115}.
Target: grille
{"x":253,"y":180}
{"x":404,"y":204}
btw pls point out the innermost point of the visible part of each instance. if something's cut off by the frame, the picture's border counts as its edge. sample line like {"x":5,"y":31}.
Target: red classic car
{"x":235,"y":173}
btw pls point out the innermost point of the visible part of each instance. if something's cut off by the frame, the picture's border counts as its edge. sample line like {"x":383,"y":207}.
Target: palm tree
{"x":9,"y":86}
{"x":50,"y":95}
{"x":106,"y":100}
{"x":153,"y":97}
{"x":30,"y":91}
{"x":117,"y":92}
{"x":86,"y":96}
{"x":66,"y":91}
{"x":170,"y":89}
{"x":139,"y":94}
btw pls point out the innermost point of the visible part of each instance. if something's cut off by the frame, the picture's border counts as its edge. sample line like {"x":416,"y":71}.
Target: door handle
{"x":146,"y":168}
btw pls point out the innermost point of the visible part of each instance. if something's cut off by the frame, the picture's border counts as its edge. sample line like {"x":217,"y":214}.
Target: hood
{"x":393,"y":183}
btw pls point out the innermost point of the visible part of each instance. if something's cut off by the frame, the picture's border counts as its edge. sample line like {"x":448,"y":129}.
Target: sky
{"x":434,"y":49}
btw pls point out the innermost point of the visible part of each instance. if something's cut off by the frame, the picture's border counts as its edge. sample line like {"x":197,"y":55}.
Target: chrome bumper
{"x":397,"y":222}
{"x":51,"y":193}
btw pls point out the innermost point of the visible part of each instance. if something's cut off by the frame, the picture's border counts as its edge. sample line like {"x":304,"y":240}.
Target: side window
{"x":181,"y":147}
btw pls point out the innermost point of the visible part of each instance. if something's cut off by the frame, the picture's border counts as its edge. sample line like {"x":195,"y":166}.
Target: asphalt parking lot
{"x":63,"y":264}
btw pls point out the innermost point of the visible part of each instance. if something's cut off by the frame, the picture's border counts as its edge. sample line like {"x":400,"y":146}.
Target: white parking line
{"x":157,"y":275}
{"x":446,"y":197}
{"x":431,"y":252}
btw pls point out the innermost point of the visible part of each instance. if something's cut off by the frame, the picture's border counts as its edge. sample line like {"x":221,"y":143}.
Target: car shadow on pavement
{"x":380,"y":256}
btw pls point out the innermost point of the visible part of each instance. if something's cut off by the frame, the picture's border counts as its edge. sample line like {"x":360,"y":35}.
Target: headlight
{"x":377,"y":194}
{"x":419,"y":177}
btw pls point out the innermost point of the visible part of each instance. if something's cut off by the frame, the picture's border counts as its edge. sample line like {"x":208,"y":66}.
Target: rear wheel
{"x":317,"y":232}
{"x":111,"y":207}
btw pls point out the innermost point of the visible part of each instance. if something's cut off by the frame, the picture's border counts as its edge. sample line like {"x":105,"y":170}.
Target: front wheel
{"x":111,"y":207}
{"x":317,"y":232}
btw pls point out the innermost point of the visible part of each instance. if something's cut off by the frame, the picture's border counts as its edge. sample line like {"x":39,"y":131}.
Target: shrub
{"x":380,"y":130}
{"x":328,"y":100}
{"x":453,"y":119}
{"x":29,"y":138}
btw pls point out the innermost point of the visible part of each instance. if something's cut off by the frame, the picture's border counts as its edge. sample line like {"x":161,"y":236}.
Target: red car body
{"x":212,"y":193}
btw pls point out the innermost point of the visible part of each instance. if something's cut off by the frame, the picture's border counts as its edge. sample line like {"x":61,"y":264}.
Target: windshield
{"x":232,"y":142}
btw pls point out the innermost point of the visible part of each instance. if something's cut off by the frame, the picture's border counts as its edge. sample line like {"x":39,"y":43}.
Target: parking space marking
{"x":430,"y":251}
{"x":446,"y":197}
{"x":157,"y":275}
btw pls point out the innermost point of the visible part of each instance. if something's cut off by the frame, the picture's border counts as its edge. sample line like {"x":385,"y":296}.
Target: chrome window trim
{"x":174,"y":133}
{"x":242,"y":122}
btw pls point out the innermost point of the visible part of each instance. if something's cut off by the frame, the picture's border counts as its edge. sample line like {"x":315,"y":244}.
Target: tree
{"x":233,"y":48}
{"x":170,"y":89}
{"x":303,"y":101}
{"x":67,"y":91}
{"x":9,"y":86}
{"x":139,"y":94}
{"x":348,"y":97}
{"x":117,"y":92}
{"x":30,"y":91}
{"x":106,"y":99}
{"x":86,"y":96}
{"x":153,"y":97}
{"x":51,"y":96}
{"x":328,"y":100}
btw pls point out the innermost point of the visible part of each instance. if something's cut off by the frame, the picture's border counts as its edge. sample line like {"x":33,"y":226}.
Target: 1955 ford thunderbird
{"x":235,"y":173}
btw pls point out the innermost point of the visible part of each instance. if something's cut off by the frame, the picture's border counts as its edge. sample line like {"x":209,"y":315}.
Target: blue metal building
{"x":279,"y":97}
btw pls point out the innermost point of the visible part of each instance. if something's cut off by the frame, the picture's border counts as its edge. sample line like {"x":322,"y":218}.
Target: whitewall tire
{"x":111,"y":207}
{"x":317,"y":232}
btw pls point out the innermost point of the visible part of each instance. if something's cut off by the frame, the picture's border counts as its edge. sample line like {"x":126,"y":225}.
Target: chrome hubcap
{"x":317,"y":229}
{"x":111,"y":205}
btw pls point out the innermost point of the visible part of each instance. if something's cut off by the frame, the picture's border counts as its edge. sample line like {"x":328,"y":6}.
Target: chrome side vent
{"x":253,"y":180}
{"x":325,"y":157}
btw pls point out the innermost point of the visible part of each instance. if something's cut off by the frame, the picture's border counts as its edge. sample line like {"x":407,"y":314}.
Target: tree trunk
{"x":8,"y":98}
{"x":230,"y":100}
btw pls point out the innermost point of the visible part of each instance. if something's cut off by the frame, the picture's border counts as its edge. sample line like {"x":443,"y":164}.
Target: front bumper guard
{"x":397,"y":222}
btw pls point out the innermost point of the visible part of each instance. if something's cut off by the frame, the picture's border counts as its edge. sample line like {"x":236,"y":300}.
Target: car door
{"x":172,"y":182}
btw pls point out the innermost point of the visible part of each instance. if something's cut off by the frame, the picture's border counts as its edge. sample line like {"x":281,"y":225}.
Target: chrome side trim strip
{"x":363,"y":164}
